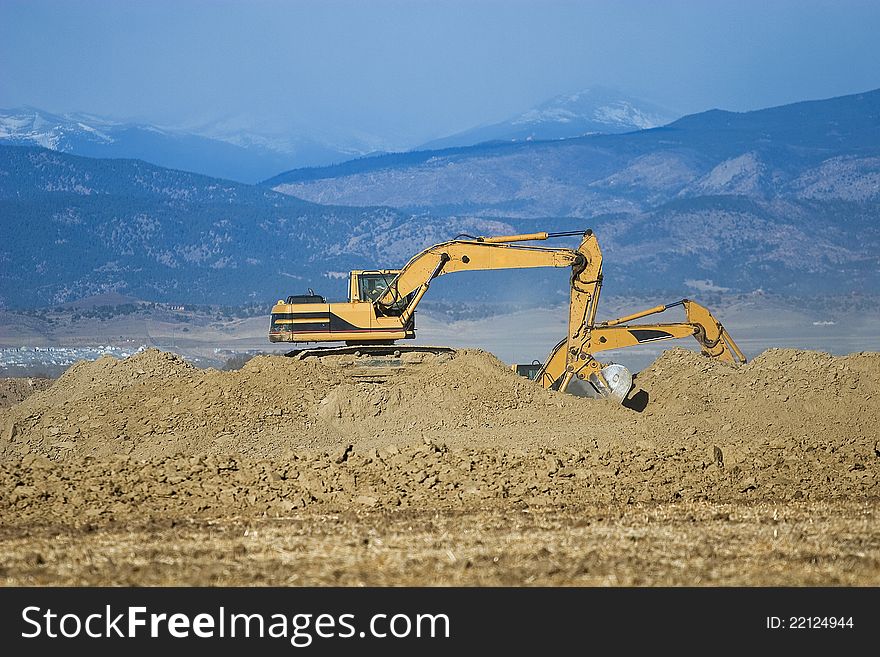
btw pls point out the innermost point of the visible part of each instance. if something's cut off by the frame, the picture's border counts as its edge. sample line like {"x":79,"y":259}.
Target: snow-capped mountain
{"x":229,"y":152}
{"x":591,"y":111}
{"x":30,"y":126}
{"x":818,"y":149}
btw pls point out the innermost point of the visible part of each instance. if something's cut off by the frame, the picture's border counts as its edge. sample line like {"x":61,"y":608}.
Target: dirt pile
{"x":783,"y":395}
{"x":151,"y":433}
{"x":13,"y":391}
{"x":156,"y":404}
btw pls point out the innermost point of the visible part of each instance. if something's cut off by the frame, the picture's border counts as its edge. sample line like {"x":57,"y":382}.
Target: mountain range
{"x":783,"y":200}
{"x":825,"y":149}
{"x":232,"y":147}
{"x":75,"y":227}
{"x":785,"y":197}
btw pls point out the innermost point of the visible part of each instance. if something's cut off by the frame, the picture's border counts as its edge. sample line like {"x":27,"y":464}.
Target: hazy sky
{"x":413,"y":70}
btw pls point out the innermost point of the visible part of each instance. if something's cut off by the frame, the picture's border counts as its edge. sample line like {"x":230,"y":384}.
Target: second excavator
{"x":382,"y":304}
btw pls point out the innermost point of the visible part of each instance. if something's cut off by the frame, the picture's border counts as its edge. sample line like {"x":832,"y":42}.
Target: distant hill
{"x":75,"y":227}
{"x":236,"y":156}
{"x":597,"y":110}
{"x":100,"y":300}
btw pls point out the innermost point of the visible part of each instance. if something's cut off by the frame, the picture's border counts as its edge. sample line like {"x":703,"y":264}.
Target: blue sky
{"x":414,"y":70}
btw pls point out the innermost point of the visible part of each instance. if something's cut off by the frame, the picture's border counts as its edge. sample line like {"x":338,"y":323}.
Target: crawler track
{"x":367,"y":350}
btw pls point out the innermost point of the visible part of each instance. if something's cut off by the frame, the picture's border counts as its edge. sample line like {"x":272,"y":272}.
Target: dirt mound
{"x":155,"y":404}
{"x":152,"y":432}
{"x":13,"y":391}
{"x":784,"y":397}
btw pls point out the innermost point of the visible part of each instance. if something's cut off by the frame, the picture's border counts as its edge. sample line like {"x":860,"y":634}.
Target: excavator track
{"x":359,"y":350}
{"x":374,"y":364}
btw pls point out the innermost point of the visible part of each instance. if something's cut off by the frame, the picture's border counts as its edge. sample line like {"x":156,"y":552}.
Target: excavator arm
{"x":714,"y":340}
{"x":572,"y":367}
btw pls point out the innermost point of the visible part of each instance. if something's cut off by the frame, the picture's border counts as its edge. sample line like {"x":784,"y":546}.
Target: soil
{"x":14,"y":390}
{"x":446,"y":469}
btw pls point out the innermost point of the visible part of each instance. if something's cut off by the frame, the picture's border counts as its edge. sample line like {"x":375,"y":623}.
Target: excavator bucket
{"x":617,"y":383}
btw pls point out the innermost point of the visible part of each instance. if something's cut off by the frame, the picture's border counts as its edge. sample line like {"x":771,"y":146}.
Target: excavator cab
{"x":529,"y":371}
{"x":370,"y":286}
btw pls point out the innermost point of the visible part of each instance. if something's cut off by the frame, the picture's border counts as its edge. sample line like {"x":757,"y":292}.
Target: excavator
{"x":382,"y":304}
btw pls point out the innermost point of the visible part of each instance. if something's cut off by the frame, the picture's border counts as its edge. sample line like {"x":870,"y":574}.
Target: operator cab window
{"x":372,"y":286}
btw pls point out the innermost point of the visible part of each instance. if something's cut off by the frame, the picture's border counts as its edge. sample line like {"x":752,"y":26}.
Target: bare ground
{"x":450,"y":471}
{"x":681,"y":544}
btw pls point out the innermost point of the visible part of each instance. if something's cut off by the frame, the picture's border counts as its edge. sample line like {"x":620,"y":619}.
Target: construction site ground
{"x":441,"y":470}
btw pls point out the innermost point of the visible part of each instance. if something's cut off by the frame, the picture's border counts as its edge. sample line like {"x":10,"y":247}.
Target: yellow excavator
{"x":382,"y":303}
